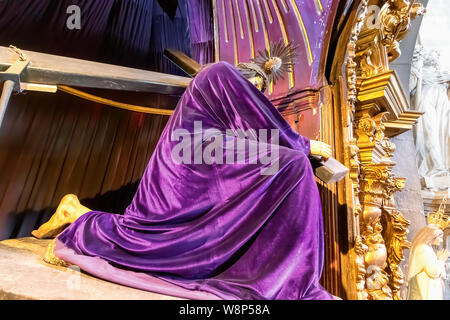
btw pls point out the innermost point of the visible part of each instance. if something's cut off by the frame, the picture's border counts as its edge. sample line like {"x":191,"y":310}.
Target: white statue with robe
{"x":427,"y":268}
{"x":432,"y":132}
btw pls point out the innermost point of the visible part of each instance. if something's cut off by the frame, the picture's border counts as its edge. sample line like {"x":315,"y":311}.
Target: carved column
{"x":382,"y":228}
{"x":371,"y":107}
{"x":380,"y":110}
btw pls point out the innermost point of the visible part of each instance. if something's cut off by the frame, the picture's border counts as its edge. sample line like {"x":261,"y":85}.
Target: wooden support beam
{"x":8,"y":87}
{"x":50,"y":69}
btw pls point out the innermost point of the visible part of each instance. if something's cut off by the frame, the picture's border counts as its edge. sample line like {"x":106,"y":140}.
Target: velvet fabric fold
{"x":224,"y":229}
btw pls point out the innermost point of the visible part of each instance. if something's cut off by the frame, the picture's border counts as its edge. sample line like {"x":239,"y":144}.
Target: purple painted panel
{"x":246,"y":26}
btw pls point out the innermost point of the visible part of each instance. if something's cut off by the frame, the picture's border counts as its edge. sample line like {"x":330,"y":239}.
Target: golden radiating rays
{"x":281,"y":22}
{"x":303,"y":31}
{"x":285,"y":38}
{"x":266,"y":34}
{"x":241,"y":27}
{"x":265,"y":13}
{"x":319,"y":6}
{"x":216,"y":31}
{"x":263,"y":24}
{"x":255,"y":19}
{"x":250,"y":30}
{"x":233,"y":25}
{"x":268,"y":11}
{"x":285,"y":6}
{"x":225,"y":22}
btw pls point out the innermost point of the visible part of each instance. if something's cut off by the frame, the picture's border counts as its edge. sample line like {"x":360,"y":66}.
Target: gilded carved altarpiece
{"x":373,"y":108}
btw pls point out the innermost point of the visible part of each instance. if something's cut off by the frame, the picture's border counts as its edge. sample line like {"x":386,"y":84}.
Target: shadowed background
{"x":54,"y":144}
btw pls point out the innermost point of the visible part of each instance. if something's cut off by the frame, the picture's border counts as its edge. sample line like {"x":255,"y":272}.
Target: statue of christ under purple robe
{"x":231,"y":227}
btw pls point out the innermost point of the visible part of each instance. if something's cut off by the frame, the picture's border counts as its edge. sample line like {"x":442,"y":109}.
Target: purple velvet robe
{"x":208,"y":231}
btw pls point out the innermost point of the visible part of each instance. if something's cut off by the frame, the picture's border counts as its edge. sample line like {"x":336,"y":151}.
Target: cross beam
{"x":48,"y":69}
{"x":27,"y":70}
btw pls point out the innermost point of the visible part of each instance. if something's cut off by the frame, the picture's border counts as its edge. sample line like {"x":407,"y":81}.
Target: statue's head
{"x":431,"y":58}
{"x":438,"y":238}
{"x":270,"y":65}
{"x":431,"y":235}
{"x":255,"y":75}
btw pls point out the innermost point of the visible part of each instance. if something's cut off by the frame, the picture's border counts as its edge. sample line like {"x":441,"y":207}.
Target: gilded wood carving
{"x":376,"y":108}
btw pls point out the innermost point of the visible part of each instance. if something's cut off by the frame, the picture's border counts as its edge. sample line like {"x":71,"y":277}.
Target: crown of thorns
{"x":271,"y":64}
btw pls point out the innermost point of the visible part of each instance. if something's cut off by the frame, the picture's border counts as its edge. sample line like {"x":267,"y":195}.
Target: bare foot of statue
{"x":69,"y":210}
{"x":51,"y":258}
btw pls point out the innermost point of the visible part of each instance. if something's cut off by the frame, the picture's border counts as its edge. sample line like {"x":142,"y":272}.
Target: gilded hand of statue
{"x":319,"y":148}
{"x":442,"y":255}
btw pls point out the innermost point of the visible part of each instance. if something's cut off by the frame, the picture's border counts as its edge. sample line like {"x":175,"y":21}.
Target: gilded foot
{"x":69,"y":210}
{"x":51,"y":258}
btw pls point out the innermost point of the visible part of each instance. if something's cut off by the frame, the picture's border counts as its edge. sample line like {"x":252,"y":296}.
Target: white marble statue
{"x":432,"y":132}
{"x":427,"y":272}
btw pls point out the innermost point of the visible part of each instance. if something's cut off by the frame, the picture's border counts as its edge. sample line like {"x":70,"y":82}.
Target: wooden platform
{"x":25,"y":276}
